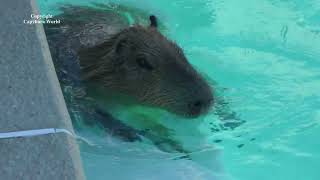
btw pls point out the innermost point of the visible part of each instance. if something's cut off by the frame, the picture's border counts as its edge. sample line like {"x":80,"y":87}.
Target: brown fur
{"x":163,"y":79}
{"x":137,"y":61}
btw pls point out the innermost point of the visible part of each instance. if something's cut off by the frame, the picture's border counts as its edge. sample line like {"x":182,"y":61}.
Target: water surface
{"x":264,"y":57}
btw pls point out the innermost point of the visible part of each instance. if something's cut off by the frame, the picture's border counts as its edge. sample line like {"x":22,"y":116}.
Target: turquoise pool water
{"x":264,"y":57}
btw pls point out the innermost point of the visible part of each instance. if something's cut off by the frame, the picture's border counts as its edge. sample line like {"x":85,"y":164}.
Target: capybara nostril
{"x":200,"y":106}
{"x":195,"y":107}
{"x":197,"y":104}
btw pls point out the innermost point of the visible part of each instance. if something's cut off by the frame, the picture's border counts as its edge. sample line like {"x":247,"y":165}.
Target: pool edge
{"x":32,"y":99}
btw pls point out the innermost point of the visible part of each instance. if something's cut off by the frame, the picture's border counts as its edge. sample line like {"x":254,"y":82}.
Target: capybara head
{"x":141,"y":62}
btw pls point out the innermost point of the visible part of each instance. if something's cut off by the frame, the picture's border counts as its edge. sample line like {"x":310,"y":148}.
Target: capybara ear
{"x":153,"y":21}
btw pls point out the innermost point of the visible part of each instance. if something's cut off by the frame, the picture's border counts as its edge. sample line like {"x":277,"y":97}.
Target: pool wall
{"x":31,"y":98}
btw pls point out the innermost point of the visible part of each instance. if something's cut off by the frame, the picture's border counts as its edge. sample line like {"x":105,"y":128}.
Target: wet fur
{"x":96,"y":48}
{"x":171,"y":85}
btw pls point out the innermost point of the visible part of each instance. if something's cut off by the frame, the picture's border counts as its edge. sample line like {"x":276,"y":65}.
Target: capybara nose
{"x":199,"y":106}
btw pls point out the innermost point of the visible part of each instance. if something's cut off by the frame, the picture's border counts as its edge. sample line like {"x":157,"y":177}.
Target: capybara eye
{"x":143,"y":63}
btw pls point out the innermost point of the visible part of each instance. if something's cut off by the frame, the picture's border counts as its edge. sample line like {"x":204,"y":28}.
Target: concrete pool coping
{"x":31,"y":98}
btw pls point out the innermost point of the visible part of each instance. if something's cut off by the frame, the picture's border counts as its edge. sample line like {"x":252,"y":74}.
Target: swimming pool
{"x":264,"y":58}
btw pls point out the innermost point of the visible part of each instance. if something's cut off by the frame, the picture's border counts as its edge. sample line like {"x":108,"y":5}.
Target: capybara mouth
{"x":192,"y":100}
{"x":196,"y":108}
{"x":199,"y":108}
